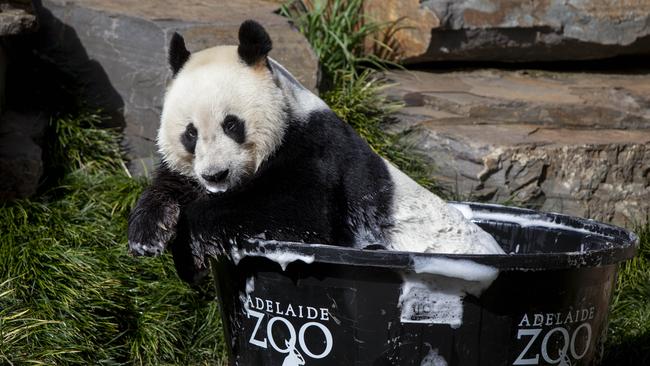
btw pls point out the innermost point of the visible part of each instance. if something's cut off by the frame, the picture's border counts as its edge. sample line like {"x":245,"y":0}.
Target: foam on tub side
{"x":434,"y":293}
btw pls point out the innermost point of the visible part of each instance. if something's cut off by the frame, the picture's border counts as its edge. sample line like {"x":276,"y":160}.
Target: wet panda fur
{"x":248,"y":152}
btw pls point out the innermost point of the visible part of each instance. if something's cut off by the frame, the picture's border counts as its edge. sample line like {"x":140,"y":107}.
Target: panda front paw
{"x":151,"y":229}
{"x":149,"y":250}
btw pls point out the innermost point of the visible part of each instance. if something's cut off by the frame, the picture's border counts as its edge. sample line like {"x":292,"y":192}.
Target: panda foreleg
{"x":188,"y":256}
{"x":152,"y":223}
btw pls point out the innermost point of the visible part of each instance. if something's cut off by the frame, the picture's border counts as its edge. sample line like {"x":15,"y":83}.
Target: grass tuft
{"x":628,"y":341}
{"x":339,"y":33}
{"x":69,"y":293}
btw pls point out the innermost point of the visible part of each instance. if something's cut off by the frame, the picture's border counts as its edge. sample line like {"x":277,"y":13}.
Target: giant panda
{"x":247,"y":151}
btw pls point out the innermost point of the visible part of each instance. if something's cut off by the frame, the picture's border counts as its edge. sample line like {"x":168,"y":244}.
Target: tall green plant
{"x":340,"y":34}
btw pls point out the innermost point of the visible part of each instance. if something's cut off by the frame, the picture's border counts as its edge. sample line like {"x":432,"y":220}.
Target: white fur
{"x":426,"y":223}
{"x":300,"y":99}
{"x":212,"y":84}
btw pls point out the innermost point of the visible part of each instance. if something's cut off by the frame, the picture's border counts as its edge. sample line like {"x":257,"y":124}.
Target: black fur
{"x":178,"y":54}
{"x":234,"y":128}
{"x":189,"y":137}
{"x":254,"y":43}
{"x":153,"y":220}
{"x":321,"y":186}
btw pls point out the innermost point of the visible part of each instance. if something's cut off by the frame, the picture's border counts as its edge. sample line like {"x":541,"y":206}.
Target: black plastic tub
{"x":543,"y":303}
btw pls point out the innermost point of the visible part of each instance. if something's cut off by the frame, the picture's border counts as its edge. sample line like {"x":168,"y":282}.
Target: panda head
{"x":223,"y":113}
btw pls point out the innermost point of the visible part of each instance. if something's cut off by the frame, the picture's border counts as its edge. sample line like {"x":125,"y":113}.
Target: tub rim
{"x":624,"y":246}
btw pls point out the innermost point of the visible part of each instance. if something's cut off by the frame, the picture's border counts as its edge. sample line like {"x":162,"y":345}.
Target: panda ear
{"x":178,"y":54}
{"x":254,"y":43}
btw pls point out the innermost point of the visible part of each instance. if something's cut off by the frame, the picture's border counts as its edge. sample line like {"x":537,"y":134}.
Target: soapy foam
{"x":250,"y":287}
{"x":523,"y":220}
{"x":282,"y":257}
{"x":426,"y":300}
{"x":434,"y":293}
{"x":454,"y":268}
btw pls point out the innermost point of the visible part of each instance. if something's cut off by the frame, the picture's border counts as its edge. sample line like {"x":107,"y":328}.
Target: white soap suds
{"x":433,"y":358}
{"x":523,"y":220}
{"x":427,"y":301}
{"x":250,"y":287}
{"x":466,"y":270}
{"x":281,"y":256}
{"x":434,"y":293}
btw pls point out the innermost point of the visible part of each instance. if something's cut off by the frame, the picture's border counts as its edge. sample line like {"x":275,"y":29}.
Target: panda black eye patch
{"x":189,"y":137}
{"x":234,"y":128}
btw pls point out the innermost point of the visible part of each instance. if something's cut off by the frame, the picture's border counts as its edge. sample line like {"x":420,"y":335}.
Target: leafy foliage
{"x":69,"y":293}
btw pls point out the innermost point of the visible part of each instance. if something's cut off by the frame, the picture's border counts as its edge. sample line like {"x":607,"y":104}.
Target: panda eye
{"x":189,"y":137}
{"x":234,"y":128}
{"x":191,"y":131}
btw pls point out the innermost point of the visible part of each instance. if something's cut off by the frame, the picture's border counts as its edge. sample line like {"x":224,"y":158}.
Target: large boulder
{"x":506,"y":30}
{"x":21,"y":165}
{"x":16,"y":17}
{"x":117,"y":50}
{"x":21,"y":135}
{"x":564,"y":142}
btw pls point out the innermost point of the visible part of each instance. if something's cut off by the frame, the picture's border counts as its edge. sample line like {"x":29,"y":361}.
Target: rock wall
{"x":577,"y":143}
{"x":117,"y":51}
{"x":506,"y":30}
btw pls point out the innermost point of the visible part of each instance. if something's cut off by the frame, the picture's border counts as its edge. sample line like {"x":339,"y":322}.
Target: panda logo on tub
{"x":294,"y":358}
{"x":246,"y":149}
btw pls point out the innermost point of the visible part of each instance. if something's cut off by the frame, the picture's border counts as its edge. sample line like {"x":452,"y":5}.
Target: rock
{"x":16,"y":17}
{"x":505,"y":30}
{"x":21,"y":164}
{"x":563,"y":142}
{"x":117,"y":50}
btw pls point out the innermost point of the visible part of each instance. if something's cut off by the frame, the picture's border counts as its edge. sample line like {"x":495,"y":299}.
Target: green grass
{"x":69,"y":293}
{"x":628,"y":341}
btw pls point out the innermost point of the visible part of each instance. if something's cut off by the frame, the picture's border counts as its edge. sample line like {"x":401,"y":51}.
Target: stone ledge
{"x":506,"y":30}
{"x":596,"y":169}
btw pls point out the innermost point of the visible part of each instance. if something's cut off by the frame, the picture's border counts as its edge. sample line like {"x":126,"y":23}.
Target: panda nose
{"x":217,"y":177}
